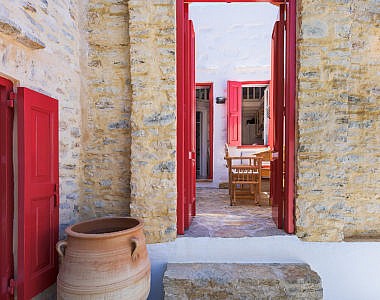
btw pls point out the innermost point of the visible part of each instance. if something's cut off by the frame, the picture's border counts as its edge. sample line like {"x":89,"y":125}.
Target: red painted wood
{"x":180,"y":17}
{"x":6,"y":188}
{"x":190,"y":109}
{"x":234,"y":1}
{"x":234,"y":98}
{"x":187,"y":126}
{"x":255,"y":82}
{"x":290,"y":109}
{"x":210,"y":85}
{"x":38,"y":203}
{"x":271,"y":103}
{"x":278,"y":114}
{"x":192,"y":112}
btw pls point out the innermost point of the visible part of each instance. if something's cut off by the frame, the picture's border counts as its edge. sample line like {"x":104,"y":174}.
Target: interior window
{"x":254,"y":103}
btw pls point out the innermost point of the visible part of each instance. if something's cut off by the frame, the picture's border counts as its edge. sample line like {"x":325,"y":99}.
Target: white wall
{"x":349,"y":271}
{"x":232,"y":43}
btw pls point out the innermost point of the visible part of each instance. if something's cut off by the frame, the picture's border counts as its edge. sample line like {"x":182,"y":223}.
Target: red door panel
{"x":6,"y":188}
{"x":190,"y":168}
{"x":290,"y":96}
{"x":38,"y":192}
{"x":234,"y":92}
{"x":181,"y":151}
{"x":277,"y":104}
{"x":193,"y":113}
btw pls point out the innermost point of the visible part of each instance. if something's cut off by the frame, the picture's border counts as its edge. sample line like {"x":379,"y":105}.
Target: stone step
{"x":241,"y":281}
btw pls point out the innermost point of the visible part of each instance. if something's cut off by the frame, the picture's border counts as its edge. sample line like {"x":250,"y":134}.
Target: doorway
{"x":284,"y":198}
{"x":204,"y":131}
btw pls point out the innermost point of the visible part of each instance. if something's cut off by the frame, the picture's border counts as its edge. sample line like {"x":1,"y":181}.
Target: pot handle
{"x":135,"y":243}
{"x":60,"y":244}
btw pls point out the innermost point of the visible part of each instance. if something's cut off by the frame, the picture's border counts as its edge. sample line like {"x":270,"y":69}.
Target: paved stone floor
{"x":216,"y":218}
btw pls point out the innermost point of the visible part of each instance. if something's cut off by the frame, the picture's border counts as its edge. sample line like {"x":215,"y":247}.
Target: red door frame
{"x":210,"y":125}
{"x":180,"y":40}
{"x":290,"y":103}
{"x":6,"y":186}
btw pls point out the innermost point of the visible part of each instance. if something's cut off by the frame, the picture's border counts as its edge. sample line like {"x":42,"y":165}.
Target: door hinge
{"x":11,"y":287}
{"x":56,"y":193}
{"x":11,"y":100}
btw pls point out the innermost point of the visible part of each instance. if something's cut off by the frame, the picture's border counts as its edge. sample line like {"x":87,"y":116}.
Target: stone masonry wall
{"x":338,"y":178}
{"x":153,"y":116}
{"x":106,"y":111}
{"x":39,"y":49}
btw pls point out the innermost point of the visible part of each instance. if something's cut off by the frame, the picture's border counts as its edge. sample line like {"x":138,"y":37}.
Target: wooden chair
{"x":246,"y":181}
{"x":265,"y":168}
{"x":232,"y":161}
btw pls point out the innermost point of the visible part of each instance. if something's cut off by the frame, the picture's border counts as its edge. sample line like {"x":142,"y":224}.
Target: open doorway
{"x":204,"y":132}
{"x":248,"y":127}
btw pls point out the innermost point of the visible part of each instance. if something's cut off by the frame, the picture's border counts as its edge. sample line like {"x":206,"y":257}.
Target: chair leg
{"x":257,"y":195}
{"x":231,"y":194}
{"x":234,"y":195}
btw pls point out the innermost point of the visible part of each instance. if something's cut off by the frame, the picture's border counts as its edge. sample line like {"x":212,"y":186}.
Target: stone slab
{"x":241,"y":281}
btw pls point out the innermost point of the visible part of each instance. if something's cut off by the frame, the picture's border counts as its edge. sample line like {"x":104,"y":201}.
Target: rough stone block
{"x":241,"y":281}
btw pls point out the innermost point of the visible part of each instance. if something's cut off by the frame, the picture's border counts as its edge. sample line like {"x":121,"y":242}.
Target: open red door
{"x":38,"y":192}
{"x":277,"y":121}
{"x":234,"y":92}
{"x":290,"y":118}
{"x":190,"y":109}
{"x":186,"y":169}
{"x":6,"y":188}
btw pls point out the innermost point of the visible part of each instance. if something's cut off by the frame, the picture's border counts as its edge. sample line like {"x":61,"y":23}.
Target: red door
{"x":190,"y":138}
{"x":38,"y":192}
{"x":290,"y":95}
{"x":277,"y":107}
{"x":234,"y":92}
{"x":186,"y":170}
{"x":6,"y":187}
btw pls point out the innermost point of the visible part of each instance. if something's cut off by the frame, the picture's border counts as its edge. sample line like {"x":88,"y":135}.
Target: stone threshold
{"x":241,"y":281}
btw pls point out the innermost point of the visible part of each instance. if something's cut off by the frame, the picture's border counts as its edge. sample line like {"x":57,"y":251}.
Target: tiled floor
{"x":216,"y":218}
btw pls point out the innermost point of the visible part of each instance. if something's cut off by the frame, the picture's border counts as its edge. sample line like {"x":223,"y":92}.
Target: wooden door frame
{"x":290,"y":107}
{"x":210,"y":125}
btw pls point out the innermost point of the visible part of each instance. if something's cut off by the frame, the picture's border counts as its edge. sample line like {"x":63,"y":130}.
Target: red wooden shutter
{"x":6,"y":188}
{"x":234,"y":91}
{"x":37,"y":192}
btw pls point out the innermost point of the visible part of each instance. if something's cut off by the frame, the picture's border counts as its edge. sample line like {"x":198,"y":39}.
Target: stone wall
{"x":338,"y":177}
{"x":106,"y":99}
{"x":153,"y":116}
{"x":39,"y":49}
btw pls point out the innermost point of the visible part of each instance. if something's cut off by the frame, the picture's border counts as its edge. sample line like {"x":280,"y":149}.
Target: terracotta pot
{"x":104,"y":258}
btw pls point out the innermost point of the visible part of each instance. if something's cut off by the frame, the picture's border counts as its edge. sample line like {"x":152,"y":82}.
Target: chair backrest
{"x":266,"y":155}
{"x":250,"y":173}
